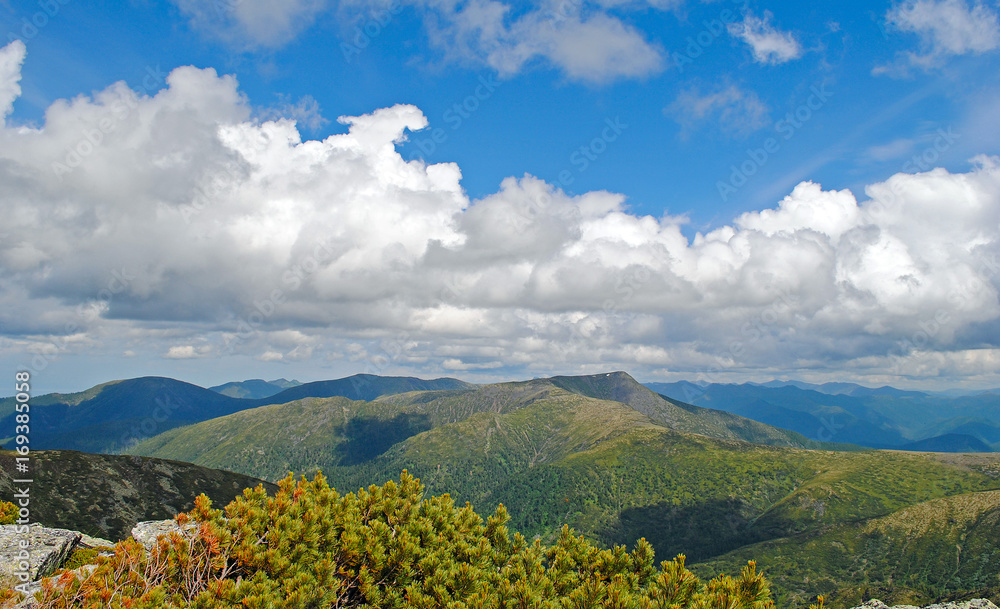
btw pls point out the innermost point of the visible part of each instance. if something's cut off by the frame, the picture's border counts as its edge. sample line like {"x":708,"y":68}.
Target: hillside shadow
{"x":368,"y":437}
{"x":699,"y":531}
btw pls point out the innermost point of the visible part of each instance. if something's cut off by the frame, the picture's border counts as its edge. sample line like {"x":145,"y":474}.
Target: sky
{"x":495,"y":190}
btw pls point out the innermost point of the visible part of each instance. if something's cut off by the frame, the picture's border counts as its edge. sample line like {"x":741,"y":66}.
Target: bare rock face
{"x":976,"y":603}
{"x":42,"y":550}
{"x":147,"y":532}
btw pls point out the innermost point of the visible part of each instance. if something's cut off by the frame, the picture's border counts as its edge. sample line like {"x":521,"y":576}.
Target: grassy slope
{"x":105,"y":495}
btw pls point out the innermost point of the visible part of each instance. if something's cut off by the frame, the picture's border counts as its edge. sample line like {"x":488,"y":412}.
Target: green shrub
{"x":386,"y":547}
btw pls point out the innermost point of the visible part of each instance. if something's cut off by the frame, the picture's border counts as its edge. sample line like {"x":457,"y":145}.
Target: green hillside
{"x":939,"y":549}
{"x":105,"y":495}
{"x":606,"y":459}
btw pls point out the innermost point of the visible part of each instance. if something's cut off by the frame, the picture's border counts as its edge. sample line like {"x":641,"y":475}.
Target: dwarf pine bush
{"x":383,"y":547}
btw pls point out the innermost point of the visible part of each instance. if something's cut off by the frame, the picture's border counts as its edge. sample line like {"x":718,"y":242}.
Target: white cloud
{"x":185,"y":352}
{"x":769,"y":45}
{"x":731,"y":109}
{"x":596,"y":47}
{"x":193,"y":231}
{"x":945,"y":27}
{"x":263,"y":23}
{"x":11,"y":59}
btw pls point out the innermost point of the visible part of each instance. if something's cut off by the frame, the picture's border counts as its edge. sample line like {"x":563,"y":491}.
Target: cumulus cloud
{"x":945,"y":27}
{"x":732,"y":110}
{"x":191,"y":229}
{"x":11,"y":59}
{"x":769,"y":45}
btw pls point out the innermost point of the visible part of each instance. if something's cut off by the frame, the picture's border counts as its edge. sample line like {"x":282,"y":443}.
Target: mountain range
{"x":884,"y":417}
{"x":611,"y":458}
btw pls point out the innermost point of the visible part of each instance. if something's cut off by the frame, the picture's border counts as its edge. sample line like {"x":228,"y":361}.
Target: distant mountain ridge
{"x":254,"y":389}
{"x":883,"y":417}
{"x":109,"y":417}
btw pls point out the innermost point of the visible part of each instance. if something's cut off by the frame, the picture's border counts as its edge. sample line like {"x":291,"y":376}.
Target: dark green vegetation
{"x":110,"y":417}
{"x":617,"y":462}
{"x":105,"y":495}
{"x":254,"y":389}
{"x":840,"y":412}
{"x":386,"y":547}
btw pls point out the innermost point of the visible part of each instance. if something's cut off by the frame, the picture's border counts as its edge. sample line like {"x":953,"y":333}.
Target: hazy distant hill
{"x":105,"y":495}
{"x":841,"y":412}
{"x":611,"y":459}
{"x":254,"y":389}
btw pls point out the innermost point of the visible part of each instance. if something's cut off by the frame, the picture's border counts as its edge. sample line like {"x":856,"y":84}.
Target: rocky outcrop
{"x":42,"y":550}
{"x":976,"y":603}
{"x":147,"y":532}
{"x":48,"y":549}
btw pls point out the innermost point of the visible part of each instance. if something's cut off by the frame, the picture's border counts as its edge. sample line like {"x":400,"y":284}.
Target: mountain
{"x":364,"y":387}
{"x":254,"y":389}
{"x":318,"y":433}
{"x":608,"y":457}
{"x":105,"y":495}
{"x":949,"y":443}
{"x":109,"y":417}
{"x":883,"y":417}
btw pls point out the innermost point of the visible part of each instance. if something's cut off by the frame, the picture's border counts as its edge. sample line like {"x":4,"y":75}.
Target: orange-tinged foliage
{"x":387,"y":547}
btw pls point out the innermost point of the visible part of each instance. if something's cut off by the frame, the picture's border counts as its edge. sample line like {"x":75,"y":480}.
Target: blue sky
{"x":698,"y":117}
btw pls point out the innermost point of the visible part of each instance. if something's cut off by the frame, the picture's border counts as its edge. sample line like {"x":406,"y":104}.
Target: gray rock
{"x":976,"y":603}
{"x":87,"y":541}
{"x":147,"y":532}
{"x":46,"y":549}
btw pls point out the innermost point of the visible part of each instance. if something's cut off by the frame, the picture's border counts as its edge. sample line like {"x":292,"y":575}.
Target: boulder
{"x":46,"y":549}
{"x":147,"y":532}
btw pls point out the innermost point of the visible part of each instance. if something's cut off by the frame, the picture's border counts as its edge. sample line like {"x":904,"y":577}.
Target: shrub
{"x":386,"y":547}
{"x":8,"y":512}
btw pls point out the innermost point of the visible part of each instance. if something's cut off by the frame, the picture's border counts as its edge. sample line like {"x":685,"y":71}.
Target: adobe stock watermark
{"x":924,"y":160}
{"x":93,"y":136}
{"x":31,"y":27}
{"x":292,"y":280}
{"x":579,"y":161}
{"x":373,"y":26}
{"x":752,"y":331}
{"x":455,"y":117}
{"x":786,"y":127}
{"x":217,"y":183}
{"x":987,"y":269}
{"x":86,"y":312}
{"x":711,"y":31}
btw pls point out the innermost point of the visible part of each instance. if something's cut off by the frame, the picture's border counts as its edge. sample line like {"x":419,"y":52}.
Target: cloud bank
{"x":177,"y":226}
